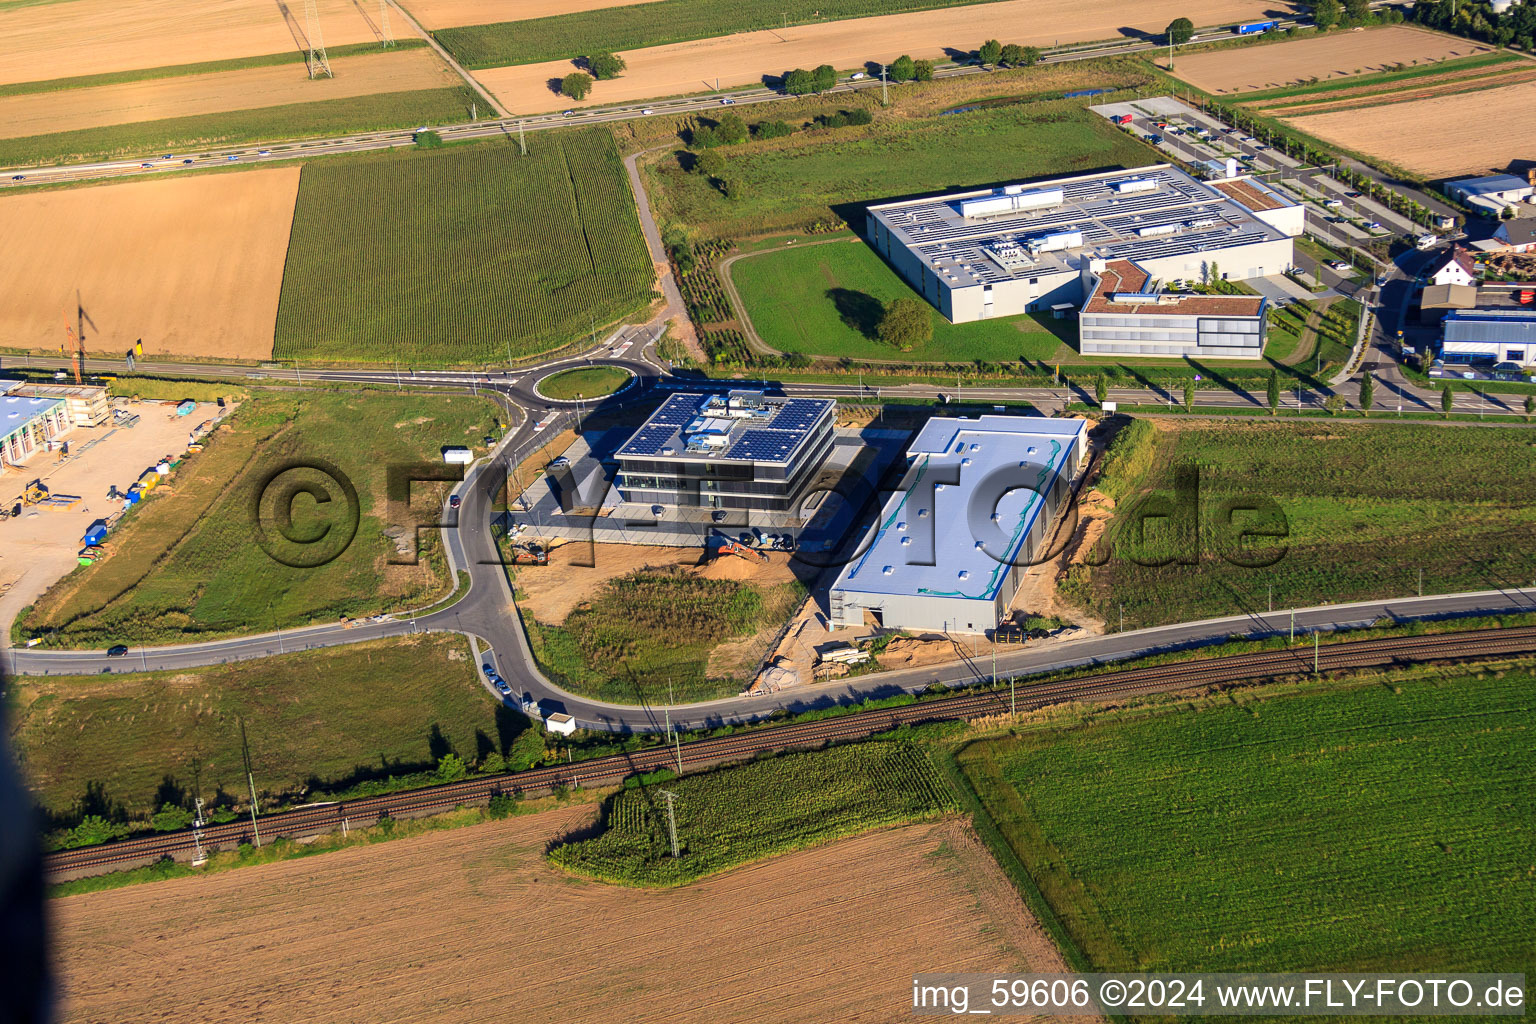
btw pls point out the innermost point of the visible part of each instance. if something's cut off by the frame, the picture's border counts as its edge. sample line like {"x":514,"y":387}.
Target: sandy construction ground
{"x":39,"y":549}
{"x":363,"y":75}
{"x":473,"y":925}
{"x":745,"y":58}
{"x":451,"y":13}
{"x":191,"y":265}
{"x":1336,"y":55}
{"x":1451,"y":134}
{"x":92,"y":37}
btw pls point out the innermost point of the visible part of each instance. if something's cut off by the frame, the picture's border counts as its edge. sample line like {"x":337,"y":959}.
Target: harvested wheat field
{"x":1452,"y":134}
{"x":91,"y":37}
{"x":395,"y":71}
{"x":1337,"y":55}
{"x":743,"y":59}
{"x":473,"y":925}
{"x":453,"y":13}
{"x":191,"y":265}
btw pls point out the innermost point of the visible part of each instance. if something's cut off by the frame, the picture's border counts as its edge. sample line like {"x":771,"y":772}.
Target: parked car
{"x":486,"y":668}
{"x":503,"y":688}
{"x":1375,"y":225}
{"x":1338,"y":264}
{"x":117,"y":650}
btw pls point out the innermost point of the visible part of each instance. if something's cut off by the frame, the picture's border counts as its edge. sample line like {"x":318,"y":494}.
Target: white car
{"x":647,"y":111}
{"x":726,"y":101}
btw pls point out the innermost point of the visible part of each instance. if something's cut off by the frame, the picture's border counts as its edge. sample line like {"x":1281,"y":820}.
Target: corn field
{"x":466,"y":255}
{"x":737,"y":815}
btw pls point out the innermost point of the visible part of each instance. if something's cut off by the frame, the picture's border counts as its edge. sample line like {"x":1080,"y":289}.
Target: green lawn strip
{"x":827,"y":299}
{"x":652,"y":632}
{"x":185,"y":567}
{"x":486,"y":255}
{"x":235,"y":127}
{"x":1382,"y":77}
{"x":1364,"y":508}
{"x":652,"y":24}
{"x":181,"y":70}
{"x":1165,"y":836}
{"x":318,"y":723}
{"x":738,"y":815}
{"x":828,"y":173}
{"x":584,"y":382}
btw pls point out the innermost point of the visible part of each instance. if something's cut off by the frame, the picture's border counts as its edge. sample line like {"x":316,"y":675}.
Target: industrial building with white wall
{"x":971,"y":514}
{"x":1023,"y":248}
{"x":30,"y":424}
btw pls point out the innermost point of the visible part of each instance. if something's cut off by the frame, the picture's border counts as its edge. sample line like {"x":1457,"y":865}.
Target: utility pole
{"x":670,"y":796}
{"x":1293,"y":625}
{"x":1421,"y":582}
{"x":199,"y":858}
{"x":250,"y":778}
{"x":884,"y":97}
{"x":676,"y":738}
{"x":1314,"y":652}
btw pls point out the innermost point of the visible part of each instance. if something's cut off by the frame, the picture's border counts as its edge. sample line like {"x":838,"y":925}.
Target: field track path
{"x":490,"y":100}
{"x":675,"y":310}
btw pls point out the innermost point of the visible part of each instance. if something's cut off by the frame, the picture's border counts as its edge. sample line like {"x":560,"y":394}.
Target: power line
{"x":389,"y":37}
{"x":317,"y":62}
{"x":250,"y":778}
{"x":671,"y":819}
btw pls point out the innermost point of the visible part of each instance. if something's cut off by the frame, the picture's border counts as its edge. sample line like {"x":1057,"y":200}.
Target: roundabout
{"x":584,"y":383}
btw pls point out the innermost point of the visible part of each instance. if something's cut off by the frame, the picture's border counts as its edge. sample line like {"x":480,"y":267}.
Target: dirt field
{"x":1440,"y":143}
{"x":1399,"y":92}
{"x":1335,"y":55}
{"x":452,"y":13}
{"x":191,"y":265}
{"x":473,"y":925}
{"x":39,"y":548}
{"x":92,"y":37}
{"x":399,"y":71}
{"x":744,"y":58}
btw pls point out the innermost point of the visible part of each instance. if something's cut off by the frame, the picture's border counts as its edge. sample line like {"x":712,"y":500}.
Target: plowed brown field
{"x":451,"y":13}
{"x":92,"y":37}
{"x":192,"y":265}
{"x":745,"y":58}
{"x":1272,"y":65}
{"x":363,"y":75}
{"x":1450,"y":134}
{"x":473,"y":925}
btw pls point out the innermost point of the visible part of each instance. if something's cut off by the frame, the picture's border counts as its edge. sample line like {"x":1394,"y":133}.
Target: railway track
{"x":304,"y":822}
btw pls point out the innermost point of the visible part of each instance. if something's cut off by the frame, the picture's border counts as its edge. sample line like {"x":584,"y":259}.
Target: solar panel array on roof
{"x":797,"y":414}
{"x":677,"y":410}
{"x":764,"y":445}
{"x":649,"y":440}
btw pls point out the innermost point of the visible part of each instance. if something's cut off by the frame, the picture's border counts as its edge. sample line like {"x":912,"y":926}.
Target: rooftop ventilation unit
{"x":1157,"y":229}
{"x":1055,"y":241}
{"x":1008,"y":255}
{"x":1203,"y":222}
{"x":1135,"y":185}
{"x":1010,"y":202}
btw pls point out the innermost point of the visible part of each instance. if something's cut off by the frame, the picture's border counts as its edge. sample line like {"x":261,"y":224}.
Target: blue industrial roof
{"x":1491,"y":183}
{"x":17,"y":410}
{"x":1500,"y":326}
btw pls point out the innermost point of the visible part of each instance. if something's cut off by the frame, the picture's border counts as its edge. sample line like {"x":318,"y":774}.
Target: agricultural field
{"x":192,"y":267}
{"x":487,"y":256}
{"x":1319,"y":58}
{"x":98,"y":37}
{"x":394,"y":71}
{"x":184,"y":565}
{"x":88,"y":744}
{"x":1311,"y":827}
{"x":584,"y":382}
{"x":826,"y":299}
{"x":1364,"y":509}
{"x":693,"y":631}
{"x":435,"y":14}
{"x":824,"y":173}
{"x":746,"y":57}
{"x":738,"y":815}
{"x":847,"y":918}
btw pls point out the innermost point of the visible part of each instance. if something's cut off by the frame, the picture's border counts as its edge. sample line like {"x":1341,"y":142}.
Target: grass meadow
{"x":234,"y":127}
{"x":651,"y":24}
{"x":820,"y":173}
{"x":186,"y":566}
{"x":1364,"y":509}
{"x":738,"y":815}
{"x":1365,"y":825}
{"x":656,"y":629}
{"x":826,"y":299}
{"x":321,"y":719}
{"x":584,"y":382}
{"x":462,"y":255}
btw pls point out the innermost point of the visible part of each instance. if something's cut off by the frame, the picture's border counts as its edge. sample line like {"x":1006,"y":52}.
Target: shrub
{"x":576,"y":85}
{"x":902,"y":69}
{"x":171,"y":818}
{"x":906,"y":323}
{"x":502,"y":805}
{"x":922,"y":71}
{"x":773,"y":130}
{"x":451,"y":768}
{"x":732,"y":130}
{"x":825,"y":77}
{"x":860,"y":116}
{"x":710,"y":163}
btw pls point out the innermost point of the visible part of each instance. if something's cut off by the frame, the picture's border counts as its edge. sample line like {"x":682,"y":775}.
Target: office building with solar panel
{"x":1030,"y":247}
{"x":743,"y":450}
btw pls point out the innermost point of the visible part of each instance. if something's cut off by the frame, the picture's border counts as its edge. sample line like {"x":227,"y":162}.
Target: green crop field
{"x":323,"y":719}
{"x":826,"y":299}
{"x":815,"y":175}
{"x":737,"y":815}
{"x":652,"y":24}
{"x":1369,"y":825}
{"x":461,"y":255}
{"x":585,"y":382}
{"x":652,"y":632}
{"x":234,"y":127}
{"x":1364,"y":509}
{"x":185,"y":564}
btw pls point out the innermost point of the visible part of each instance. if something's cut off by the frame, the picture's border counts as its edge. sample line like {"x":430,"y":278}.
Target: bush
{"x":1012,"y":55}
{"x":990,"y":53}
{"x":710,"y":164}
{"x":732,"y":130}
{"x":171,"y":818}
{"x":860,"y":116}
{"x":502,"y":805}
{"x":906,"y":324}
{"x":825,"y":77}
{"x":576,"y":85}
{"x":837,"y":120}
{"x":605,"y":65}
{"x":922,"y":71}
{"x":902,"y":69}
{"x":451,"y":768}
{"x":428,"y":140}
{"x":773,"y":130}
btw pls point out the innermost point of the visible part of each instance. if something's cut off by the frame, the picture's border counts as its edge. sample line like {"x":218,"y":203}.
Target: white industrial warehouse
{"x":969,"y":517}
{"x":1036,"y":247}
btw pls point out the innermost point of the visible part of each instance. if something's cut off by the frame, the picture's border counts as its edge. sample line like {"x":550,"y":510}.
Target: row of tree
{"x":599,"y":66}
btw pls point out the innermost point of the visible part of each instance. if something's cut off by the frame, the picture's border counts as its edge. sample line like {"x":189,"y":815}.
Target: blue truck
{"x":1254,"y":28}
